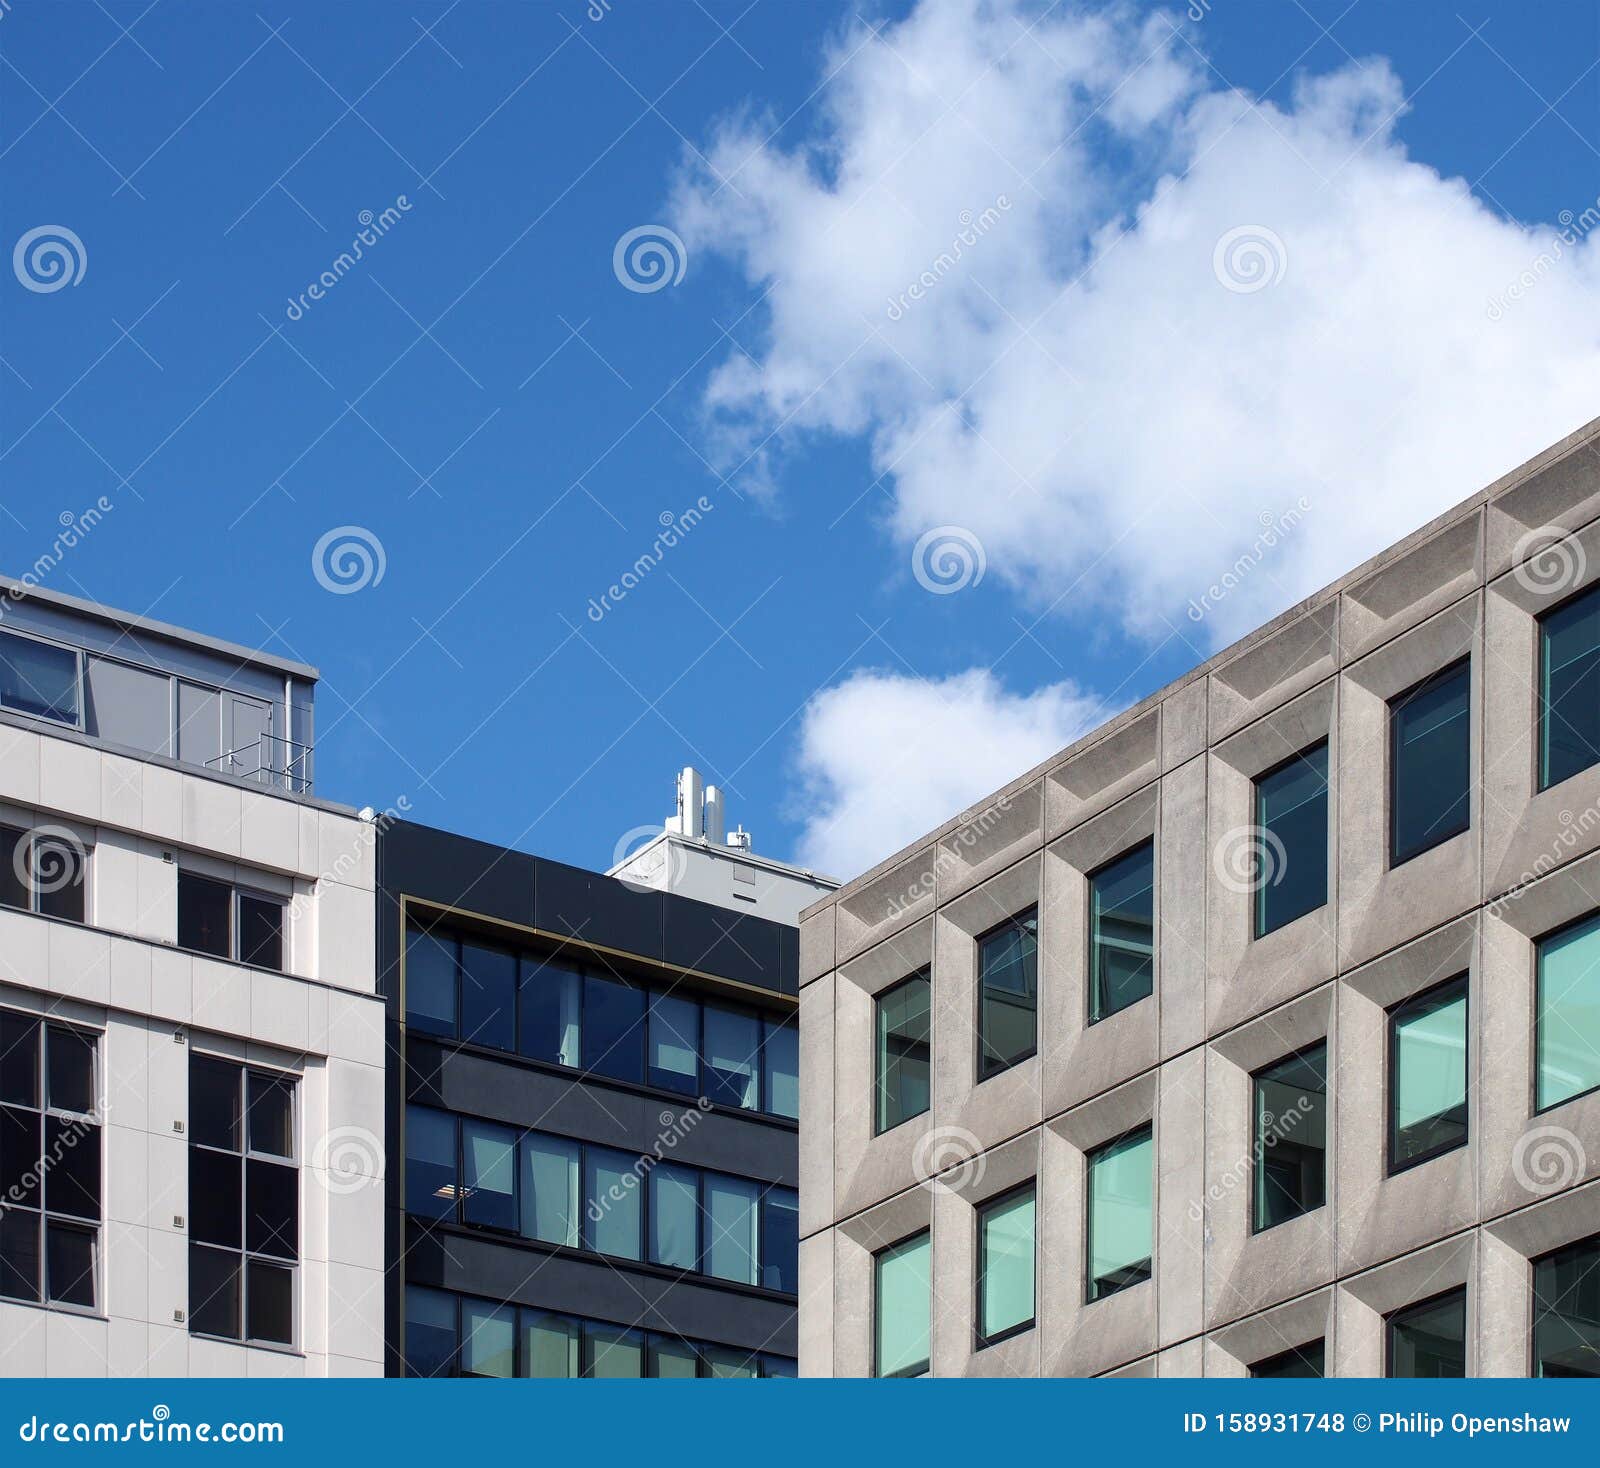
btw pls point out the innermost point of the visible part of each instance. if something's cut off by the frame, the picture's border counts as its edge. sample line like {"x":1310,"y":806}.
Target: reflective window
{"x":1566,"y":1311}
{"x":551,"y":997}
{"x":731,"y":1222}
{"x":431,"y":1190}
{"x":1005,"y":1265}
{"x":1428,"y":1074}
{"x":781,"y":1068}
{"x":613,"y":1352}
{"x":43,"y":874}
{"x":552,"y":1346}
{"x":430,"y":1332}
{"x":260,"y":931}
{"x":733,"y":1051}
{"x":430,"y":983}
{"x":550,"y":1204}
{"x":488,"y":1339}
{"x":1568,"y":1014}
{"x":613,"y":1028}
{"x":902,"y":1052}
{"x":730,"y":1365}
{"x":1430,"y":773}
{"x":673,"y":1360}
{"x":215,"y":918}
{"x":780,"y":1239}
{"x":1121,"y":1220}
{"x":674,"y":1216}
{"x":1290,"y":875}
{"x":1122,"y":932}
{"x":1008,"y":988}
{"x":902,"y":1302}
{"x":489,"y":1174}
{"x":674,"y":1043}
{"x":1291,"y":1141}
{"x":1306,"y":1360}
{"x":1430,"y":1339}
{"x":1569,"y":689}
{"x":488,"y":997}
{"x":613,"y":1210}
{"x":39,"y":678}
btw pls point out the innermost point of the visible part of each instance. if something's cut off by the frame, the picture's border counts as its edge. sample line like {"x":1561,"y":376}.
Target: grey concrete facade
{"x":1179,"y":767}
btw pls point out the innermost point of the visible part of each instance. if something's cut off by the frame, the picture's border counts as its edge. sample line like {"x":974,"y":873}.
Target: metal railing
{"x":270,"y":760}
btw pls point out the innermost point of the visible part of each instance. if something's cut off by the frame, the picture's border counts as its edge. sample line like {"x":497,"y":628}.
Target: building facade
{"x":191,"y":1043}
{"x":594,"y":1087}
{"x":1259,"y":1031}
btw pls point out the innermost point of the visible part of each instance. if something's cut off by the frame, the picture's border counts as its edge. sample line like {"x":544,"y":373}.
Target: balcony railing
{"x":271,"y":760}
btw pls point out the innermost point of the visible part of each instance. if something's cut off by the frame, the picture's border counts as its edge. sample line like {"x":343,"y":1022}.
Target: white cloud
{"x":885,"y":757}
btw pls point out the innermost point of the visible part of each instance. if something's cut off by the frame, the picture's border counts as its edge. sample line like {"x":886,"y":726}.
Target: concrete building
{"x":1258,"y":1032}
{"x":595,"y":1091}
{"x":191,"y":1046}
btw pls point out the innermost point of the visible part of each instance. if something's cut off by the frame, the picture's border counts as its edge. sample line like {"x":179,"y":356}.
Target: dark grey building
{"x":594,"y":1088}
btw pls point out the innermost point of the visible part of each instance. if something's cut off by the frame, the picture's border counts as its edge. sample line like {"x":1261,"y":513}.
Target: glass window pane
{"x":488,"y":997}
{"x":14,"y":868}
{"x":489,"y":1159}
{"x":1291,"y":848}
{"x":902,"y":1307}
{"x":19,"y":1254}
{"x":213,"y":1292}
{"x":733,"y":1045}
{"x":431,"y":1190}
{"x":551,"y":994}
{"x":1430,"y":1339}
{"x":215,"y":1197}
{"x":214,"y":1100}
{"x":1291,"y":1140}
{"x":269,"y":1302}
{"x":430,"y":1332}
{"x":1566,"y":1311}
{"x":613,"y":1028}
{"x":1005,"y":1264}
{"x":488,"y":1339}
{"x":780,"y":1061}
{"x":672,"y":1360}
{"x":1121,"y":1184}
{"x":732,"y":1250}
{"x":430,"y":983}
{"x":1428,"y":1089}
{"x":1430,"y":755}
{"x":730,"y":1365}
{"x":613,"y":1213}
{"x":780,"y":1239}
{"x":55,"y":873}
{"x":780,"y":1366}
{"x":205,"y":915}
{"x":71,"y":1055}
{"x":550,"y":1189}
{"x":272,"y":1208}
{"x":21,"y":1144}
{"x":1306,"y":1360}
{"x":38,"y":678}
{"x":1569,"y":1013}
{"x":19,"y":1058}
{"x":674,"y":1043}
{"x":674,"y":1216}
{"x":1122,"y":932}
{"x":551,"y":1346}
{"x":270,"y":1114}
{"x":903,"y":1051}
{"x":614,"y":1353}
{"x":1569,"y":689}
{"x":72,"y":1167}
{"x":260,"y":931}
{"x":1008,"y":981}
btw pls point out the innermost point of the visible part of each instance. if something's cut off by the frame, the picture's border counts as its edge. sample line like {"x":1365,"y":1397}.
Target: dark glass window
{"x":1306,"y":1360}
{"x":431,"y":1189}
{"x":38,"y":678}
{"x":1430,"y":1339}
{"x":1008,"y":993}
{"x":1430,"y":748}
{"x":902,"y":1053}
{"x":1291,"y":1119}
{"x":14,"y":891}
{"x":1428,"y":1074}
{"x":1566,"y":1311}
{"x":19,"y":1059}
{"x":780,"y":1068}
{"x":430,"y":1332}
{"x":1291,"y":856}
{"x":551,"y":998}
{"x":780,"y":1239}
{"x":71,"y":1070}
{"x":489,"y":1174}
{"x":205,"y":915}
{"x":612,"y":1352}
{"x":674,"y":1043}
{"x":488,"y":997}
{"x":260,"y":931}
{"x":430,"y":982}
{"x":244,"y":1202}
{"x":1569,"y":689}
{"x":1006,"y":1265}
{"x":613,"y":1028}
{"x":1567,"y":1014}
{"x":43,"y":874}
{"x":1122,"y":932}
{"x":732,"y":1057}
{"x":1121,"y":1228}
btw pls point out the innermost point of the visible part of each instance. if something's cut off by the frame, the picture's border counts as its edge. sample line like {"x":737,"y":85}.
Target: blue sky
{"x":484,"y":399}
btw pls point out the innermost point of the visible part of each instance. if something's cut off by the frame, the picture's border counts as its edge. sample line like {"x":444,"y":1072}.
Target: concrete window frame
{"x":1234,"y":1349}
{"x":855,"y":1245}
{"x":1364,"y":1303}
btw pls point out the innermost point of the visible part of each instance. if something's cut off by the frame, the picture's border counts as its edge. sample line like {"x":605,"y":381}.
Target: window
{"x":1306,"y":1360}
{"x":488,"y":1339}
{"x":780,"y":1054}
{"x":1122,"y":932}
{"x":244,"y":1202}
{"x":42,"y":872}
{"x":1008,"y":993}
{"x":550,"y":1205}
{"x":49,"y":1163}
{"x":780,"y":1240}
{"x":1566,"y":1311}
{"x":1567,"y":1014}
{"x":1005,"y":1265}
{"x":1428,"y":1074}
{"x":39,"y":678}
{"x":488,"y":997}
{"x":1291,"y":1118}
{"x":552,"y":1346}
{"x":674,"y":1216}
{"x":613,"y":1353}
{"x":902,"y":1305}
{"x":1430,"y":747}
{"x":733,"y":1049}
{"x":674,"y":1043}
{"x":1430,"y":1339}
{"x":216,"y":918}
{"x":551,"y":996}
{"x":489,"y":1175}
{"x":1121,"y":1223}
{"x":1291,"y":857}
{"x":430,"y":982}
{"x":732,"y":1249}
{"x":613,"y":1028}
{"x":1569,"y":688}
{"x":431,"y":1187}
{"x":613,"y":1212}
{"x":430,"y":1332}
{"x":902,"y":1057}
